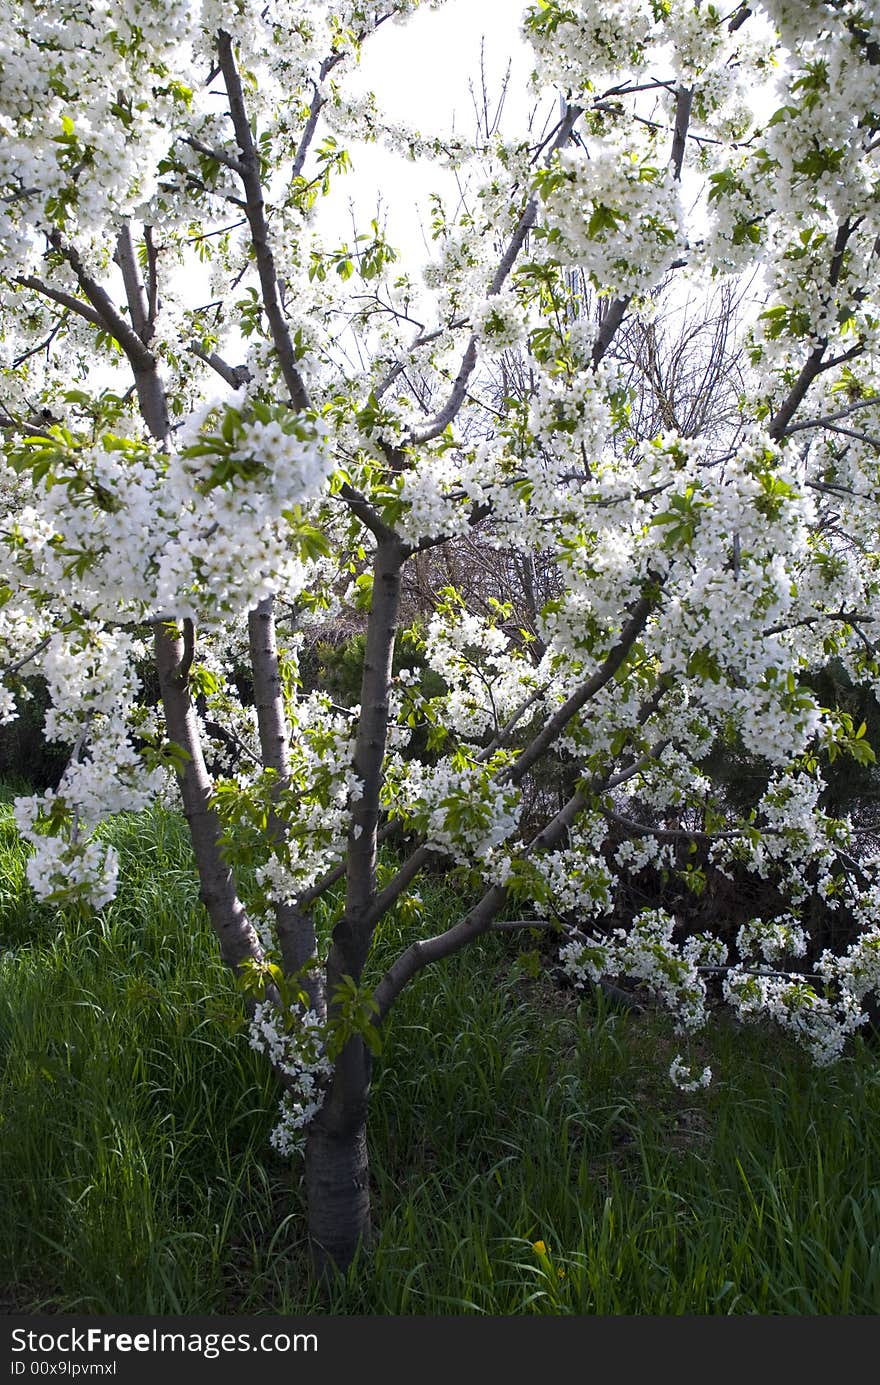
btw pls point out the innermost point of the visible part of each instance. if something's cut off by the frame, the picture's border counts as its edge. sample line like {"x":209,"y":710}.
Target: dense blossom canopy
{"x":211,"y":403}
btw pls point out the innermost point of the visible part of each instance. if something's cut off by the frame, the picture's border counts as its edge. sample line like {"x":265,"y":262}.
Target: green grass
{"x":137,"y":1176}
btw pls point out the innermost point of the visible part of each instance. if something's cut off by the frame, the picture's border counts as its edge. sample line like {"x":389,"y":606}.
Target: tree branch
{"x":254,"y":208}
{"x":445,"y":416}
{"x":516,"y":717}
{"x":826,"y":419}
{"x":238,"y":941}
{"x":41,"y":346}
{"x":296,"y":930}
{"x":25,"y":659}
{"x":369,"y":753}
{"x":220,"y":156}
{"x":65,"y":300}
{"x":110,"y":320}
{"x":188,"y":655}
{"x":152,"y":282}
{"x":249,"y":172}
{"x":814,"y":364}
{"x":611,"y":320}
{"x":578,"y":699}
{"x":135,"y":292}
{"x":684,"y":99}
{"x":672,"y":834}
{"x":856,"y":433}
{"x":234,"y":375}
{"x":421,"y":953}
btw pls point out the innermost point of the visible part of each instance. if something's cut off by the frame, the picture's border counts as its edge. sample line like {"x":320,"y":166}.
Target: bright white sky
{"x":421,"y":72}
{"x":421,"y":68}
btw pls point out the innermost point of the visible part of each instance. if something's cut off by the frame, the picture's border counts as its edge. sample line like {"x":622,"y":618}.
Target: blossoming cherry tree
{"x":213,"y":406}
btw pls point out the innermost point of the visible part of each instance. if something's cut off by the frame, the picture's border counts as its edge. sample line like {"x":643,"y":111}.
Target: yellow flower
{"x":539,"y":1247}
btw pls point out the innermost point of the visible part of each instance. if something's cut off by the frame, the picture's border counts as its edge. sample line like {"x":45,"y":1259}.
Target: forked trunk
{"x":337,"y":1166}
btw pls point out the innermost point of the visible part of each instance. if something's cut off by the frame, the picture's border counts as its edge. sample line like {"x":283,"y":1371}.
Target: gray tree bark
{"x":337,"y":1165}
{"x":296,"y":930}
{"x":238,"y":941}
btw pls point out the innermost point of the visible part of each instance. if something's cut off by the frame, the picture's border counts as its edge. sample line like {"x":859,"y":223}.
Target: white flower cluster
{"x":486,"y":678}
{"x":685,"y":1078}
{"x":97,"y":90}
{"x":293,"y":1044}
{"x":705,"y":951}
{"x":8,"y":706}
{"x":61,"y":872}
{"x":773,"y":939}
{"x":570,"y":413}
{"x":313,"y":808}
{"x":588,"y":43}
{"x":231,"y":542}
{"x":203,"y":533}
{"x":464,"y":812}
{"x":618,"y":218}
{"x":68,"y":868}
{"x":818,"y":1024}
{"x":586,"y":960}
{"x":795,"y":834}
{"x":857,"y":970}
{"x":646,"y":952}
{"x":93,"y":685}
{"x":578,"y":882}
{"x":498,"y":323}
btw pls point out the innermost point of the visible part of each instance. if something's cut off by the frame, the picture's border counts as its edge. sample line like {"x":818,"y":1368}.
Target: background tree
{"x":190,"y":448}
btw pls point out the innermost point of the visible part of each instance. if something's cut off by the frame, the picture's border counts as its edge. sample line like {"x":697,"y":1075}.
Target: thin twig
{"x":26,"y":659}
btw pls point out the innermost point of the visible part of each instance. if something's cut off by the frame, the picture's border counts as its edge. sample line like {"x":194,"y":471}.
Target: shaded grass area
{"x":137,"y":1176}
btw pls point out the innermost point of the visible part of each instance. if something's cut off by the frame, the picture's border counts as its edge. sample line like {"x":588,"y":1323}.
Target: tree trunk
{"x":238,"y":941}
{"x":337,"y":1166}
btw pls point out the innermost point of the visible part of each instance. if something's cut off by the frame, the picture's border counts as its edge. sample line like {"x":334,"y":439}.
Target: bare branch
{"x":110,"y":320}
{"x":611,"y":320}
{"x":872,"y":403}
{"x":684,"y":98}
{"x":238,"y":941}
{"x":421,"y":953}
{"x":66,"y":300}
{"x":220,"y":156}
{"x":26,"y":659}
{"x":41,"y":346}
{"x":815,"y":363}
{"x":135,"y":292}
{"x":505,"y":732}
{"x":672,"y":834}
{"x":856,"y":433}
{"x":152,"y":282}
{"x":234,"y":375}
{"x":371,"y":739}
{"x":522,"y":925}
{"x":308,"y":133}
{"x":457,"y":396}
{"x":846,"y":617}
{"x":249,"y":171}
{"x":578,"y":699}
